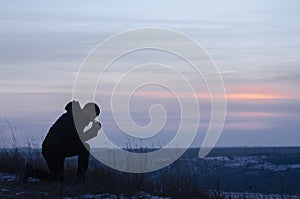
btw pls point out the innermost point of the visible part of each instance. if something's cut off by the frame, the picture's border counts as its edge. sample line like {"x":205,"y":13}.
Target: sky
{"x":255,"y":44}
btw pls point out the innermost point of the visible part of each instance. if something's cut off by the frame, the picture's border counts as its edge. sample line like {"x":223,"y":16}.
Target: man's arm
{"x":92,"y":132}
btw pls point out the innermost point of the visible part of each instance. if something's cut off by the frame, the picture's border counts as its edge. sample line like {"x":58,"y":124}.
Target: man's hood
{"x":72,"y":105}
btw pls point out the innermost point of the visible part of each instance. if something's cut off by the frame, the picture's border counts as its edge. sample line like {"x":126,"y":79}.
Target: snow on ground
{"x":238,"y":195}
{"x":112,"y":196}
{"x":252,"y":162}
{"x":7,"y":177}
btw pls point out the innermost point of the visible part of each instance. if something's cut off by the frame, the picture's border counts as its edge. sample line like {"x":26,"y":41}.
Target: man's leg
{"x":83,"y":160}
{"x":55,"y":164}
{"x":28,"y":171}
{"x":82,"y":151}
{"x":40,"y":174}
{"x":55,"y":161}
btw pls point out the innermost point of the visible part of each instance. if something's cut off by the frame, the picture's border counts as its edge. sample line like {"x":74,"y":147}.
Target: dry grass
{"x":101,"y":178}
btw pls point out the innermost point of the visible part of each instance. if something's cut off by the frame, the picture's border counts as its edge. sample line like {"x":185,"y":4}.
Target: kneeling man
{"x":67,"y":138}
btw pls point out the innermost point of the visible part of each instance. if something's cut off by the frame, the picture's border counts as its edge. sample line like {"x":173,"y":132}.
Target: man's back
{"x":64,"y":129}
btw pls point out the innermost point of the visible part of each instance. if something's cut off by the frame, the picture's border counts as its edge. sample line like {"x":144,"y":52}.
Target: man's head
{"x":91,"y":110}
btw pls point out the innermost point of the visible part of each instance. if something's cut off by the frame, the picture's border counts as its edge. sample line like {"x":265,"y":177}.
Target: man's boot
{"x":25,"y":173}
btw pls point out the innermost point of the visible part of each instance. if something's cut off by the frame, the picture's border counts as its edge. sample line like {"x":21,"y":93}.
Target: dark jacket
{"x":64,"y":129}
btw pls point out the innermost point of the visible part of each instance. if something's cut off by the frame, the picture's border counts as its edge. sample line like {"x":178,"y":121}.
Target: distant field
{"x":251,"y":169}
{"x":240,"y":169}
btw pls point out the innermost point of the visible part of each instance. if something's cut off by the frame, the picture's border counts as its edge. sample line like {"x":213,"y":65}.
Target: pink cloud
{"x":246,"y":125}
{"x":234,"y":93}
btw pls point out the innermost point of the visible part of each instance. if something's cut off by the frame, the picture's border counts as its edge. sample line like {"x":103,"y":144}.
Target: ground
{"x":10,"y":187}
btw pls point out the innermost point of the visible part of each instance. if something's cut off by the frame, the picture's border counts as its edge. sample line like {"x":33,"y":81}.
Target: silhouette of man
{"x":67,"y":138}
